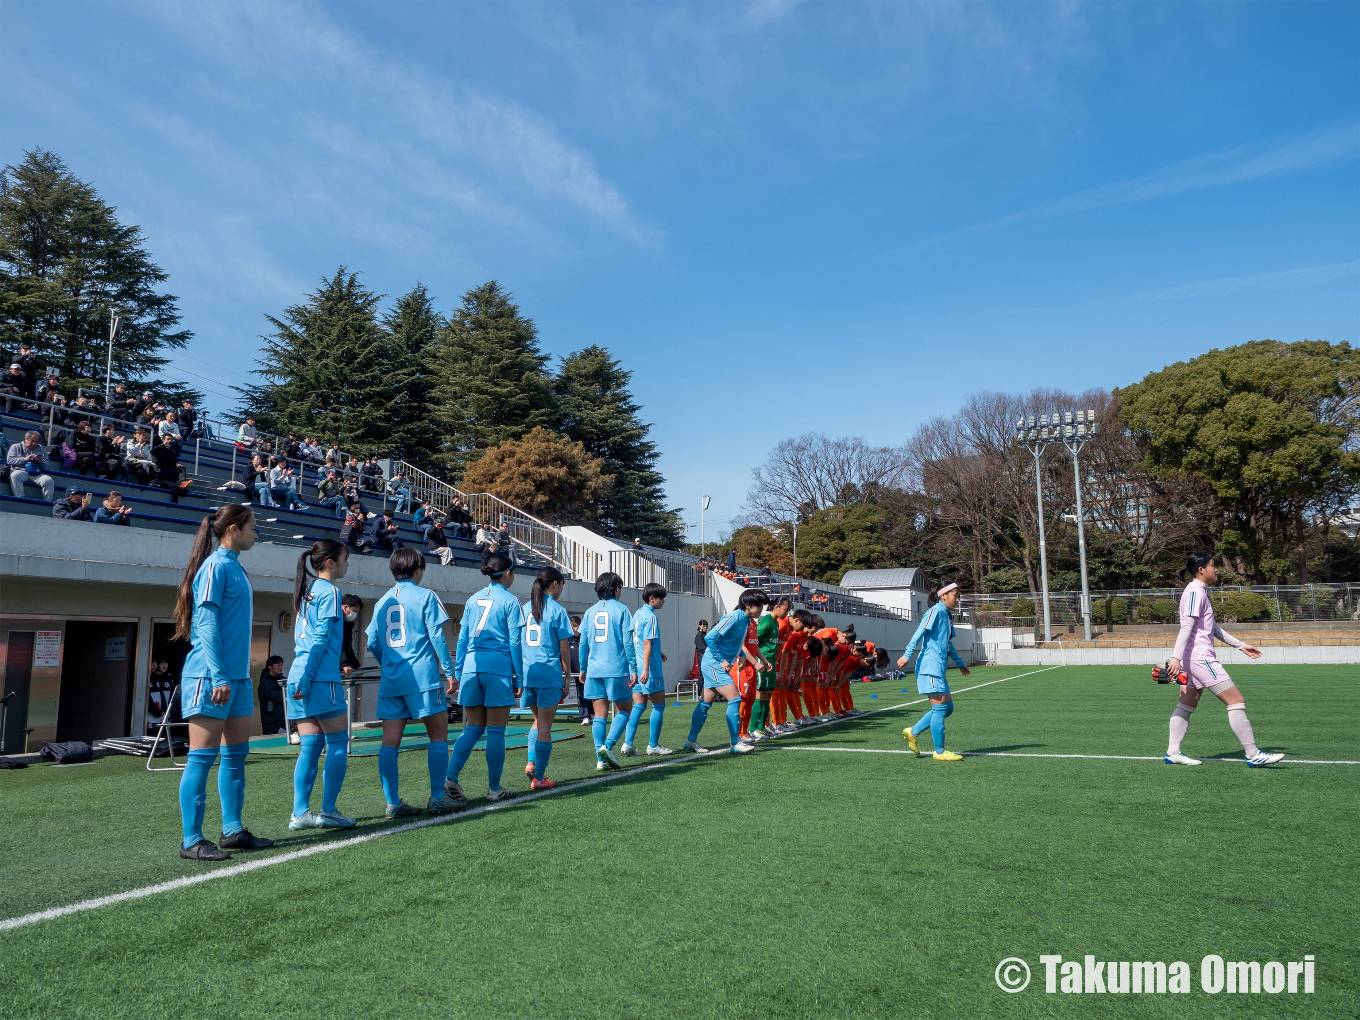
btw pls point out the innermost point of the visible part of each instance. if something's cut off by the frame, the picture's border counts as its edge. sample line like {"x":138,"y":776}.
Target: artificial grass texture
{"x":786,"y":883}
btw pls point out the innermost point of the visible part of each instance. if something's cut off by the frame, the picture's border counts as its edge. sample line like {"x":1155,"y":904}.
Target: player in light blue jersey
{"x":214,"y":610}
{"x":314,"y":696}
{"x":489,"y":665}
{"x":609,"y":665}
{"x":547,"y":666}
{"x":406,"y":636}
{"x":726,"y":642}
{"x":933,"y":646}
{"x":651,"y":680}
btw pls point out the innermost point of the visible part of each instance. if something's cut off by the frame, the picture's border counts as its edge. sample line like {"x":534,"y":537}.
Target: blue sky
{"x":782,"y":216}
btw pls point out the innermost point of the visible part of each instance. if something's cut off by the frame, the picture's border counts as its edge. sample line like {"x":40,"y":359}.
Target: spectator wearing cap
{"x":28,"y":362}
{"x":74,"y":506}
{"x":114,"y":511}
{"x":143,"y":405}
{"x":137,"y":458}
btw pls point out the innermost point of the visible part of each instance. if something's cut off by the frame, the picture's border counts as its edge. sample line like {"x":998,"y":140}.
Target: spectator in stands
{"x":459,"y":517}
{"x":271,"y":696}
{"x":400,"y":486}
{"x":51,"y":384}
{"x":487,"y":540}
{"x":353,"y":470}
{"x":168,"y":426}
{"x":114,"y":511}
{"x":256,"y":480}
{"x":108,"y":455}
{"x":115,"y":401}
{"x":371,"y":474}
{"x":437,"y":543}
{"x":170,"y":472}
{"x":246,"y":434}
{"x":766,"y":574}
{"x":143,"y":404}
{"x":28,"y":362}
{"x":308,"y":450}
{"x":291,"y":447}
{"x":330,"y":493}
{"x":334,"y":456}
{"x":504,"y":546}
{"x":74,"y":506}
{"x":81,"y":444}
{"x":12,"y":386}
{"x":354,"y":530}
{"x":283,"y":485}
{"x":423,"y":516}
{"x":137,"y":458}
{"x":585,"y":707}
{"x":188,"y":419}
{"x":385,"y":533}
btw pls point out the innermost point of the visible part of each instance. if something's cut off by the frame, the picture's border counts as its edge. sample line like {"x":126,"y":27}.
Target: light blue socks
{"x":657,"y":712}
{"x":531,"y":745}
{"x":304,"y":772}
{"x":734,"y":719}
{"x":438,"y":759}
{"x":542,"y":749}
{"x":634,"y":717}
{"x":387,"y":773}
{"x":333,"y":772}
{"x":495,"y":755}
{"x":937,"y":717}
{"x":697,"y":720}
{"x":231,"y":785}
{"x":193,"y":793}
{"x":597,"y":727}
{"x":462,"y":748}
{"x":617,"y":727}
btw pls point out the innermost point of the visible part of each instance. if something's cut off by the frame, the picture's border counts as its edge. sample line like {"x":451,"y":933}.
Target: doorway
{"x":96,"y":680}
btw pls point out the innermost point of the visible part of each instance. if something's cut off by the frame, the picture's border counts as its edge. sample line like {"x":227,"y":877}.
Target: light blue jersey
{"x":607,"y":641}
{"x":406,"y":636}
{"x":220,"y":635}
{"x":490,"y":635}
{"x":726,"y":637}
{"x":316,"y":645}
{"x":645,"y":626}
{"x":934,"y":639}
{"x":541,"y":650}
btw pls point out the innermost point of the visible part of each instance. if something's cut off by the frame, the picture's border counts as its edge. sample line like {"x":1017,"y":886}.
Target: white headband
{"x":946,"y":589}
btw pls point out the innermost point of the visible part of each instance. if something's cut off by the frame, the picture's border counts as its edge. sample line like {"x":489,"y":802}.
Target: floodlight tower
{"x":1036,"y":436}
{"x":1075,"y":435}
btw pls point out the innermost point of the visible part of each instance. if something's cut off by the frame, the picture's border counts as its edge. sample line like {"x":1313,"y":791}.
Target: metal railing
{"x":1242,"y":603}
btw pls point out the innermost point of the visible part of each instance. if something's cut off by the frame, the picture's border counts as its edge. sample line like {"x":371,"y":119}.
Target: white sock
{"x":1180,"y":722}
{"x":1241,"y":726}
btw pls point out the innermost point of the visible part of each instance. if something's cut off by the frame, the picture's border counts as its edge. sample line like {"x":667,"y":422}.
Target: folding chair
{"x":163,"y":731}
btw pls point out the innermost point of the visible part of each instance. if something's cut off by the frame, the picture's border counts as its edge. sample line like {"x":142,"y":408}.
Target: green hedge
{"x":1022,"y":607}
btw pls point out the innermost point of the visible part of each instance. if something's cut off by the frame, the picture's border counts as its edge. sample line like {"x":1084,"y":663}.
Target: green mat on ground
{"x":365,"y":741}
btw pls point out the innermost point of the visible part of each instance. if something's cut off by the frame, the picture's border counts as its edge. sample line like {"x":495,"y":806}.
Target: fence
{"x":1242,"y":604}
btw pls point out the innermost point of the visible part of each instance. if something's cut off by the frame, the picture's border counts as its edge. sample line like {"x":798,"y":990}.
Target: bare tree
{"x":813,"y":472}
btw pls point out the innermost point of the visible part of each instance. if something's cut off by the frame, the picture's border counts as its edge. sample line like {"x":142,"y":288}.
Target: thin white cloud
{"x":1253,"y":162}
{"x":1302,"y":277}
{"x":763,"y":12}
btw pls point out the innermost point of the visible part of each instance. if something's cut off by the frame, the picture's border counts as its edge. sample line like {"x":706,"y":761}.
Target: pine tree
{"x":65,"y":262}
{"x":491,"y":384}
{"x":596,"y":409}
{"x":328,"y":366}
{"x":413,"y":326}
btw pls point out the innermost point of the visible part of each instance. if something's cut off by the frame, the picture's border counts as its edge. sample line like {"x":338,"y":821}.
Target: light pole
{"x":1036,"y":437}
{"x":1075,"y":435}
{"x":115,"y":328}
{"x":795,"y":550}
{"x":703,"y":505}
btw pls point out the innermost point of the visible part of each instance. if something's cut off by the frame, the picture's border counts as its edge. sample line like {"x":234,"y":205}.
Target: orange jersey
{"x":792,"y":654}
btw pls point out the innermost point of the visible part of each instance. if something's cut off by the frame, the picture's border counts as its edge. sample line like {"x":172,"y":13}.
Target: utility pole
{"x":1036,"y":437}
{"x":1075,"y":435}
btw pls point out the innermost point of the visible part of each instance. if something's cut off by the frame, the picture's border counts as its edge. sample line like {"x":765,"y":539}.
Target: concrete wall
{"x":57,"y":570}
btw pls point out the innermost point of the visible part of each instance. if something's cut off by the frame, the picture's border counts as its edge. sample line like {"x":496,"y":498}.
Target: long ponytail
{"x":209,"y":534}
{"x":546,"y":578}
{"x":322,"y":550}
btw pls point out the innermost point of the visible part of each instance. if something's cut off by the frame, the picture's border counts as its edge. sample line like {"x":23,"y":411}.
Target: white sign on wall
{"x":115,"y":649}
{"x":47,"y":649}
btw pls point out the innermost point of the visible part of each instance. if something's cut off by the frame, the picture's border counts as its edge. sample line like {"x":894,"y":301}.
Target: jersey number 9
{"x":601,"y":626}
{"x":396,"y":626}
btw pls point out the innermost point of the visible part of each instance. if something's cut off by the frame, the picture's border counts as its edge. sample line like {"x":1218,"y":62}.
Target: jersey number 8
{"x":396,"y":626}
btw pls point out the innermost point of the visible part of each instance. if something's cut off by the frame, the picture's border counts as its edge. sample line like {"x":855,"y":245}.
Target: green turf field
{"x":789,"y":883}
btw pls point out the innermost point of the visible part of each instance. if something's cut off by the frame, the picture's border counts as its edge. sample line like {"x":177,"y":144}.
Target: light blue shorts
{"x":654,"y":685}
{"x":610,"y":688}
{"x":926,"y":684}
{"x":491,"y":690}
{"x":325,"y":699}
{"x":195,"y":698}
{"x":420,"y":705}
{"x":541,"y":697}
{"x":714,"y":675}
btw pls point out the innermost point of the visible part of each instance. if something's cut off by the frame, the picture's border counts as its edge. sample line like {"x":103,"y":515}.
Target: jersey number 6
{"x":533,"y":633}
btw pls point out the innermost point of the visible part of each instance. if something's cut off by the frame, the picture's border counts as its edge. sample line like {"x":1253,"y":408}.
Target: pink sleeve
{"x":1183,"y":638}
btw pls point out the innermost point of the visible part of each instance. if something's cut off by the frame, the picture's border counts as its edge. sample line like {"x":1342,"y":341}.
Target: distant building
{"x":899,"y":587}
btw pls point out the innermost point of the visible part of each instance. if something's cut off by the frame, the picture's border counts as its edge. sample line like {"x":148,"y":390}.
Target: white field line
{"x":232,"y":870}
{"x":1019,"y":754}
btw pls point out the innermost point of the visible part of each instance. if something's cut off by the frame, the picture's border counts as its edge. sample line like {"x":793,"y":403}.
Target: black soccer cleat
{"x":243,"y":840}
{"x":204,"y":850}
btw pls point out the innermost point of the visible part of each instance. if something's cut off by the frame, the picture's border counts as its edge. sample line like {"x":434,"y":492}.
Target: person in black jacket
{"x":385,"y":533}
{"x":350,"y":606}
{"x":28,"y":363}
{"x":271,"y":695}
{"x":160,"y":684}
{"x":354,"y":530}
{"x":82,"y":440}
{"x":108,"y":456}
{"x":170,"y":472}
{"x":74,"y":506}
{"x":585,"y":708}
